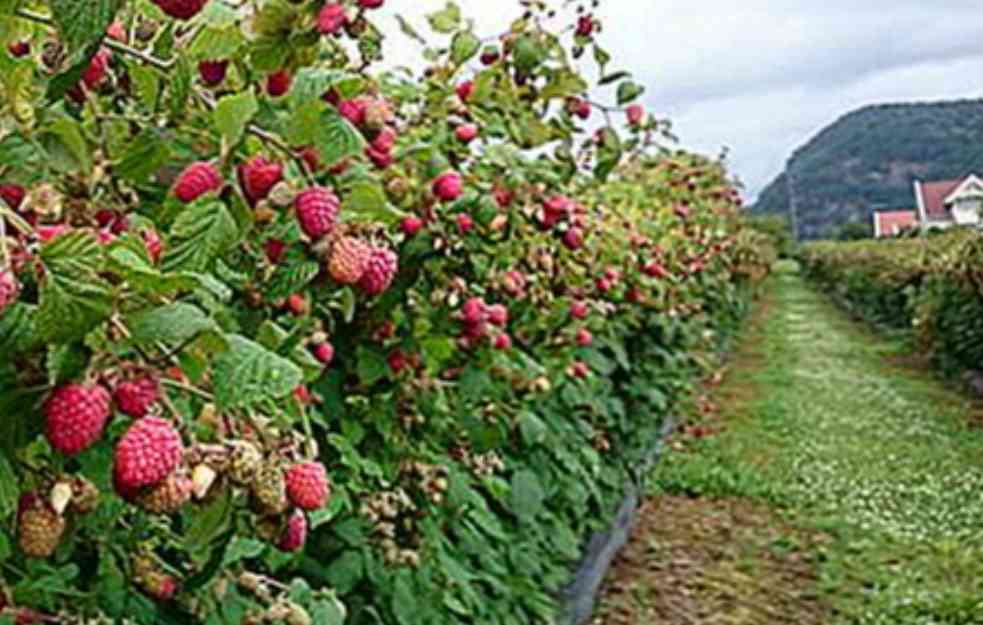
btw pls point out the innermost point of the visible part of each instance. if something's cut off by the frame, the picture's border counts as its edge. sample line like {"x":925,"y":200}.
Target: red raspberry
{"x":331,"y":19}
{"x":9,"y":288}
{"x":135,"y":397}
{"x":196,"y":180}
{"x":181,"y":9}
{"x":371,"y":4}
{"x":324,"y":352}
{"x":317,"y":211}
{"x":12,"y":194}
{"x":382,"y":160}
{"x":275,"y":249}
{"x":117,"y":31}
{"x":584,"y":337}
{"x":579,"y":370}
{"x":353,"y":110}
{"x":466,"y":133}
{"x":258,"y":176}
{"x":76,"y":415}
{"x":149,"y":451}
{"x":655,"y":270}
{"x":503,"y":342}
{"x":278,"y":83}
{"x":385,"y":140}
{"x":95,"y":73}
{"x":349,"y":260}
{"x":585,"y":25}
{"x":397,"y":360}
{"x":18,"y":49}
{"x":212,"y":73}
{"x":295,"y":536}
{"x":635,"y":114}
{"x":579,"y":310}
{"x":465,"y":223}
{"x":474,"y":311}
{"x":464,"y":90}
{"x":573,"y":239}
{"x":498,"y":315}
{"x":307,"y":485}
{"x":411,"y":225}
{"x":379,"y":272}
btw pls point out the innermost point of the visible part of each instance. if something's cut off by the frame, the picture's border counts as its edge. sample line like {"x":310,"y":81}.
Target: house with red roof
{"x":891,"y":223}
{"x":946,"y":203}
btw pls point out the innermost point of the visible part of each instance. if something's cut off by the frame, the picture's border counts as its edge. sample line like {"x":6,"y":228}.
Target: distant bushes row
{"x":930,"y":286}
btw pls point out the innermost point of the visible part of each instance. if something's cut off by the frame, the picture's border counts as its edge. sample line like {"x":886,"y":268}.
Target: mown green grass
{"x":822,"y":426}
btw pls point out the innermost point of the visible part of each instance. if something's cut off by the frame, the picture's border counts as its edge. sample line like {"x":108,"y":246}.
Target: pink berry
{"x":635,"y":114}
{"x":146,"y":454}
{"x":317,"y":211}
{"x":584,"y":337}
{"x":76,"y":416}
{"x":465,"y":223}
{"x":411,"y":226}
{"x":295,"y":536}
{"x":324,"y":352}
{"x":498,"y":314}
{"x":135,"y":397}
{"x":466,"y":133}
{"x":448,"y":186}
{"x":579,"y":310}
{"x":196,"y":180}
{"x":307,"y":485}
{"x":465,"y":90}
{"x":331,"y":19}
{"x":379,"y":273}
{"x":474,"y":310}
{"x":503,"y":342}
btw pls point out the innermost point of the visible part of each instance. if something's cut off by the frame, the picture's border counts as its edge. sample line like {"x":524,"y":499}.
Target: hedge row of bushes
{"x":931,"y":286}
{"x":285,"y":340}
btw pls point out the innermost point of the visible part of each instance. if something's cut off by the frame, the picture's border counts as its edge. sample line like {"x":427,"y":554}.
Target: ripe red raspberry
{"x":655,"y":269}
{"x":397,"y":360}
{"x":371,"y":4}
{"x":466,"y":133}
{"x":196,"y":180}
{"x":278,"y":83}
{"x":9,"y":288}
{"x":149,"y":451}
{"x":382,"y":160}
{"x":585,"y":25}
{"x":379,"y":272}
{"x":474,"y":311}
{"x":117,"y":31}
{"x":465,"y":223}
{"x":464,"y":90}
{"x":76,"y":415}
{"x":324,"y":352}
{"x":295,"y":535}
{"x":503,"y":342}
{"x":349,"y":260}
{"x":135,"y":397}
{"x":635,"y":114}
{"x":212,"y":73}
{"x":498,"y":314}
{"x":317,"y":211}
{"x":353,"y":110}
{"x":95,"y":73}
{"x":307,"y":485}
{"x":12,"y":194}
{"x":19,"y":49}
{"x":411,"y":225}
{"x":584,"y":337}
{"x":331,"y":19}
{"x":181,"y":9}
{"x":573,"y":239}
{"x":258,"y":176}
{"x":579,"y":370}
{"x":385,"y":140}
{"x":580,"y":108}
{"x":275,"y":249}
{"x":579,"y":310}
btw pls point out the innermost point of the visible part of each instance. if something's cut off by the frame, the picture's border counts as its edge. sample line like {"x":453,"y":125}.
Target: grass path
{"x":836,"y":488}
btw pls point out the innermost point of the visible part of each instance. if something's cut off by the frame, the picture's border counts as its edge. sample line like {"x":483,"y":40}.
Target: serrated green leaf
{"x":8,"y":488}
{"x":447,"y":20}
{"x":147,"y":153}
{"x":320,"y":125}
{"x":181,"y":77}
{"x":82,"y":23}
{"x":201,"y":233}
{"x":367,"y":199}
{"x":69,"y":308}
{"x":217,"y":42}
{"x":65,"y":362}
{"x":291,"y":278}
{"x":172,"y":324}
{"x":233,"y":113}
{"x":563,"y":84}
{"x":247,"y":375}
{"x":76,"y":253}
{"x":527,"y":495}
{"x":528,"y":53}
{"x":464,"y":46}
{"x":18,"y":332}
{"x":146,"y":84}
{"x":371,"y":366}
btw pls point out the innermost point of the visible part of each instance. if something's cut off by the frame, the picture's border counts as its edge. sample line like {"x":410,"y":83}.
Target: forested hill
{"x":869,"y":158}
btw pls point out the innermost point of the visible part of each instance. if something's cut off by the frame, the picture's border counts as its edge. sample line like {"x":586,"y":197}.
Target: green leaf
{"x":247,"y":375}
{"x":328,"y":612}
{"x":202,"y":232}
{"x":409,"y":31}
{"x":65,"y":144}
{"x":8,"y":488}
{"x":464,"y":46}
{"x":82,"y":23}
{"x":612,"y":78}
{"x":371,"y":366}
{"x":171,"y":324}
{"x":447,"y":20}
{"x":70,"y":309}
{"x":181,"y":77}
{"x":320,"y":125}
{"x":146,"y":83}
{"x":78,"y":63}
{"x":368,"y":200}
{"x":18,"y":332}
{"x":562,"y":84}
{"x":291,"y":278}
{"x":146,"y":154}
{"x":528,"y":53}
{"x":233,"y":113}
{"x":629,"y":91}
{"x":311,"y":83}
{"x":218,"y":42}
{"x":527,"y":495}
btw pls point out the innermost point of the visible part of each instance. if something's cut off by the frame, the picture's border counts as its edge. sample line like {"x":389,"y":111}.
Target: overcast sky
{"x":762,"y":76}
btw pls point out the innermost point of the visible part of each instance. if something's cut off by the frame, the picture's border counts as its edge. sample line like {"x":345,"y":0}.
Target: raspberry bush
{"x":289,"y":338}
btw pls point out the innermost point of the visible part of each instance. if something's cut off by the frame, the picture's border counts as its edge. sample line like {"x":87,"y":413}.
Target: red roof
{"x":890,"y":223}
{"x":934,"y":195}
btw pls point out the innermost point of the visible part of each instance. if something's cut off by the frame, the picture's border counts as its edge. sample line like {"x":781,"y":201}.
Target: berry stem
{"x":16,"y":221}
